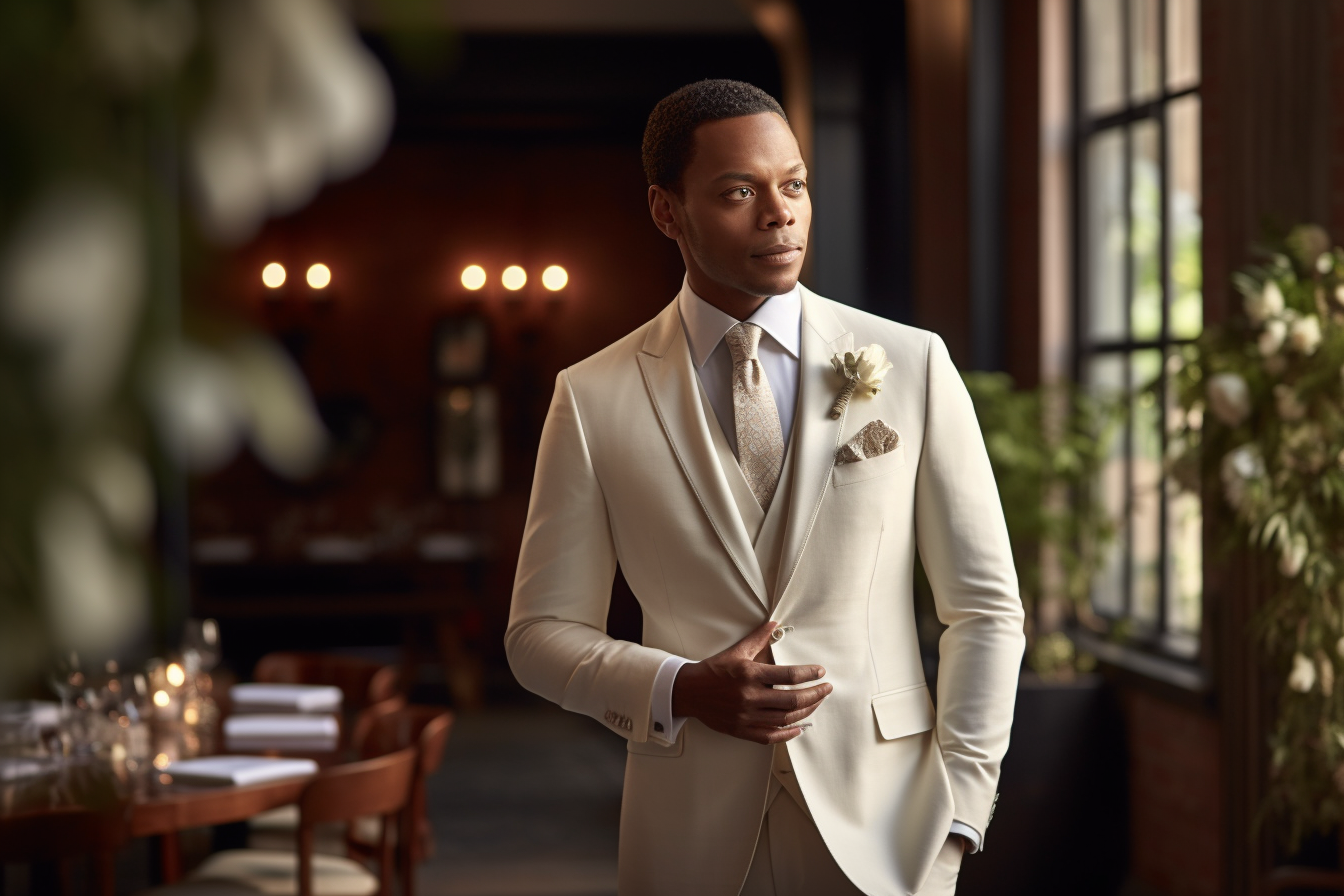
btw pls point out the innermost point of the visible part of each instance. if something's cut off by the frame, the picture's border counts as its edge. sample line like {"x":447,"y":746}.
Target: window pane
{"x":1103,"y":42}
{"x":1182,"y":43}
{"x":1104,"y":377}
{"x":1145,"y":235}
{"x":1145,"y":69}
{"x":1184,"y":217}
{"x":1105,"y":235}
{"x":1146,"y":484}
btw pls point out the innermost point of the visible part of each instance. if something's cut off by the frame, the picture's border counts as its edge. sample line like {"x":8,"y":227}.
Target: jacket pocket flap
{"x":653,"y":748}
{"x":903,"y":712}
{"x":863,"y":470}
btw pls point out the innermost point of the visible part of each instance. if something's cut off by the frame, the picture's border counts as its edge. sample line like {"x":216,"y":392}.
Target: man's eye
{"x":741,"y":193}
{"x":796,"y":186}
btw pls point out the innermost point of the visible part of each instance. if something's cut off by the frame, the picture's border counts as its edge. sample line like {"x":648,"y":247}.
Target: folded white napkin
{"x":285,"y":698}
{"x":281,"y":732}
{"x":238,"y":770}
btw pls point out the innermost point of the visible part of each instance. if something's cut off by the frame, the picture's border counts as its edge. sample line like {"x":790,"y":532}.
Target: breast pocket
{"x":864,"y":470}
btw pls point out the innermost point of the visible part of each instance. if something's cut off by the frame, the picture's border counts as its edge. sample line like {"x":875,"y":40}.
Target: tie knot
{"x":742,"y":342}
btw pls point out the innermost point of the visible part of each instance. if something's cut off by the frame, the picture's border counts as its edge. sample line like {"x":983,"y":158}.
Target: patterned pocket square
{"x":874,"y":440}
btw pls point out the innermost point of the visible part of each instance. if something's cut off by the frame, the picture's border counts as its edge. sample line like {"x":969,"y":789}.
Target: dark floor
{"x":526,"y":803}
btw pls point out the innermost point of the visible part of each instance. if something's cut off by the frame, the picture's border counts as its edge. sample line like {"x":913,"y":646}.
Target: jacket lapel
{"x":817,"y":436}
{"x":674,"y":389}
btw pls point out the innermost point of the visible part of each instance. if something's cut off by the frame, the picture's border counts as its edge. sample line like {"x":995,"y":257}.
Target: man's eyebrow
{"x":742,"y":175}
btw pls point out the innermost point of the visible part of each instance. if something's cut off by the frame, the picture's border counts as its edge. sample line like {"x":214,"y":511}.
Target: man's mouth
{"x":779,"y":254}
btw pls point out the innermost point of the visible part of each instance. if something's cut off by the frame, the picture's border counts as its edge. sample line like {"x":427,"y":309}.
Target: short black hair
{"x":669,"y":136}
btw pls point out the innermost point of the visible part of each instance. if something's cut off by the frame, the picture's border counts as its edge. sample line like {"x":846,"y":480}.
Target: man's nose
{"x":778,"y":213}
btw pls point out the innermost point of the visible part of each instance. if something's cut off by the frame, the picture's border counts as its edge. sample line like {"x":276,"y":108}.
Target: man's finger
{"x":768,"y":674}
{"x":779,"y":735}
{"x":790,"y":701}
{"x":755,"y":641}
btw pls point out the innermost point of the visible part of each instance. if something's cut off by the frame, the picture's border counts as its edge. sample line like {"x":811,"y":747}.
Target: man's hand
{"x":733,"y":691}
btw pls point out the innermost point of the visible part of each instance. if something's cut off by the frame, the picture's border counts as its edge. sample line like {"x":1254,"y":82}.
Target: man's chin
{"x":777,"y":285}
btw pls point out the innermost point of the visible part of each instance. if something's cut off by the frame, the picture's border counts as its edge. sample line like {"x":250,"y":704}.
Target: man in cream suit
{"x":781,"y":736}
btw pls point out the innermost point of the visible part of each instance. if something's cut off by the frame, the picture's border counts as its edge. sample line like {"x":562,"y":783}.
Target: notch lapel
{"x":670,"y":377}
{"x":818,"y":436}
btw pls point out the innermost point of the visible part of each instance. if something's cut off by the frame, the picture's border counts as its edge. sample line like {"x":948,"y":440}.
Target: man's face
{"x":744,"y":212}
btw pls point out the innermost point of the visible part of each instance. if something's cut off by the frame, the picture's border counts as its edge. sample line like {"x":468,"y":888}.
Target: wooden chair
{"x":381,"y":730}
{"x":59,"y":835}
{"x":379,"y":787}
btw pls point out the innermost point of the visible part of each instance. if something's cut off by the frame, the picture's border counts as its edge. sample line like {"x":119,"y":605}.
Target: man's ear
{"x":665,"y":209}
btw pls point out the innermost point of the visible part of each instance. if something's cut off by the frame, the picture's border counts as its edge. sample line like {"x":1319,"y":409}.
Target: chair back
{"x":383,"y":729}
{"x":65,"y":833}
{"x":362,"y":682}
{"x":377,"y":786}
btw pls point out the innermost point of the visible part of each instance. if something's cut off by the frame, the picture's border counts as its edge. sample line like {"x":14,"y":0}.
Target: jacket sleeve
{"x":556,"y":641}
{"x":963,"y":544}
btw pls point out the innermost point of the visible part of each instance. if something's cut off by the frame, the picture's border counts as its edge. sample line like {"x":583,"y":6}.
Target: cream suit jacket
{"x":627,"y":473}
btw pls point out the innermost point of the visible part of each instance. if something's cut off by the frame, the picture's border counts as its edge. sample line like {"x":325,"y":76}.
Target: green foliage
{"x":1263,"y":427}
{"x":1047,"y":447}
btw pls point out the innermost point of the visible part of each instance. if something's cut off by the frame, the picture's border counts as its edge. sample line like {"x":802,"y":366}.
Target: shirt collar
{"x":780,"y":316}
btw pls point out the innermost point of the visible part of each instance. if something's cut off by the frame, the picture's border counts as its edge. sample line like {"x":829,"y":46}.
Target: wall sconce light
{"x":514,"y":278}
{"x":319,"y":276}
{"x":473,"y":277}
{"x":554,"y":278}
{"x":273,"y":275}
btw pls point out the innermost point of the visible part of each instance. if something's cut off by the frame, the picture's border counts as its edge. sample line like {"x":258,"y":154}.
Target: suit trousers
{"x":792,"y":860}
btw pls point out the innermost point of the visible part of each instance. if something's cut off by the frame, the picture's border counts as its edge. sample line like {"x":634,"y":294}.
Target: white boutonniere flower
{"x":864,"y":368}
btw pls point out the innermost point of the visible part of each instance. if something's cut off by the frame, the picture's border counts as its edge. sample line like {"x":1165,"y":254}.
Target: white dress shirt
{"x":781,"y":319}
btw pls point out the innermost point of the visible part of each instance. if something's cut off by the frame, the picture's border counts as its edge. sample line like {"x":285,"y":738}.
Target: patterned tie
{"x":760,"y":441}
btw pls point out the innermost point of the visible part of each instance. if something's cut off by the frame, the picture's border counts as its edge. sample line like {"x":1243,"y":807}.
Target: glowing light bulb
{"x":473,"y":276}
{"x":554,"y":278}
{"x":162,"y":761}
{"x":273,"y":275}
{"x":161,"y":698}
{"x":514,"y":277}
{"x":176,"y":675}
{"x":319,"y":276}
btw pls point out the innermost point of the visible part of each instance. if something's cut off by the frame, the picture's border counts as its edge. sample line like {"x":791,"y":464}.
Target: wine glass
{"x":67,"y":678}
{"x":200,"y":645}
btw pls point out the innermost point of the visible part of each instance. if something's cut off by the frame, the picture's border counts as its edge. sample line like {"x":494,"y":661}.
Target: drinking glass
{"x":200,"y":645}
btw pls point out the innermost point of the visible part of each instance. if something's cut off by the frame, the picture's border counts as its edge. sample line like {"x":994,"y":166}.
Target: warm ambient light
{"x":554,"y":278}
{"x":176,"y":675}
{"x":319,"y":276}
{"x":161,"y":698}
{"x":473,"y":276}
{"x":273,"y":275}
{"x":514,"y":277}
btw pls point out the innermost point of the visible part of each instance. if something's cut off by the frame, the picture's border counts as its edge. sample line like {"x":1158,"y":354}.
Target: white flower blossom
{"x":1266,"y":304}
{"x":1240,"y":465}
{"x":1286,"y":402}
{"x":1325,"y":263}
{"x":1305,"y":334}
{"x":1294,"y":554}
{"x":1303,"y":676}
{"x":1272,"y":337}
{"x":1229,"y":398}
{"x":1339,"y":293}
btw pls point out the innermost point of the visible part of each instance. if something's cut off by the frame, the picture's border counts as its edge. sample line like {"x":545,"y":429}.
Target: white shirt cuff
{"x":663,"y":726}
{"x":971,"y":834}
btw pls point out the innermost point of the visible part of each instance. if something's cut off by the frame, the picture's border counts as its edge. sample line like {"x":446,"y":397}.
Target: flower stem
{"x":842,"y":400}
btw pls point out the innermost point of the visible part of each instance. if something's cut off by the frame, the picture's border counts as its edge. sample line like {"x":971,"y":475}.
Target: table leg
{"x":170,"y":857}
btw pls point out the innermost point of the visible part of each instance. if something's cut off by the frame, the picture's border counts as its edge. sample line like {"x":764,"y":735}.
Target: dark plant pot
{"x":1061,"y":826}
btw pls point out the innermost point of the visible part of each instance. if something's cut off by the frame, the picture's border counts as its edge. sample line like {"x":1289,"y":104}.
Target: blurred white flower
{"x":1229,"y":398}
{"x":120,"y":483}
{"x":1305,"y":334}
{"x":72,"y":283}
{"x":1339,"y":647}
{"x":286,"y":432}
{"x":1267,"y":303}
{"x":137,"y":42}
{"x":1286,"y":402}
{"x":298,"y":99}
{"x":1292,"y":557}
{"x":1303,"y":676}
{"x":1239,"y":466}
{"x":1325,"y":263}
{"x":95,"y":598}
{"x":197,"y":406}
{"x":1272,"y":336}
{"x":1339,"y":293}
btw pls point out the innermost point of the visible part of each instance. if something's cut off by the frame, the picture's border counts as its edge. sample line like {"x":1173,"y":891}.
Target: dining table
{"x":155,"y":805}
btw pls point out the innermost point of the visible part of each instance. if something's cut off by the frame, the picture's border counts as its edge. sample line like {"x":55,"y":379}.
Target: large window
{"x":1138,"y":297}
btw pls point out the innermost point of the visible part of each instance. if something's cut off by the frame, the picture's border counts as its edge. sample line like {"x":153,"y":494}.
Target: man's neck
{"x":732,"y":302}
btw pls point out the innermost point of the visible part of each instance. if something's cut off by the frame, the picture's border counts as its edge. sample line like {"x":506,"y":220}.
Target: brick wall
{"x":1175,"y":797}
